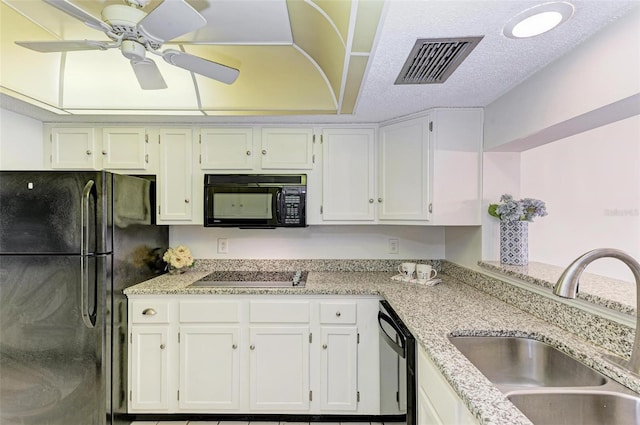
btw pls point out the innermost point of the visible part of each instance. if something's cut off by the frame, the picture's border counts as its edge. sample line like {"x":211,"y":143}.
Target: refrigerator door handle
{"x":89,"y":322}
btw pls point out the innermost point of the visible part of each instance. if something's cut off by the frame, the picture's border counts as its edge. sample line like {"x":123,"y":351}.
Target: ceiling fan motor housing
{"x":133,"y":50}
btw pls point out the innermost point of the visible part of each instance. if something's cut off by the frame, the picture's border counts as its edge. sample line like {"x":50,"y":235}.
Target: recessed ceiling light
{"x":538,"y":20}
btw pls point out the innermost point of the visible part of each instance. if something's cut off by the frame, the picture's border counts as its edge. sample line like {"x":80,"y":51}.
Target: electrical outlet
{"x":394,"y":246}
{"x":223,"y":246}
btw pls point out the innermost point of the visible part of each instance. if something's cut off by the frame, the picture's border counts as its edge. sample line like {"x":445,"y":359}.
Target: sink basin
{"x":586,"y":408}
{"x":523,"y":362}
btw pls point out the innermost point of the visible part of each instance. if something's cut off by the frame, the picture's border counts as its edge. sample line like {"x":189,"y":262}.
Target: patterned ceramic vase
{"x":514,"y":243}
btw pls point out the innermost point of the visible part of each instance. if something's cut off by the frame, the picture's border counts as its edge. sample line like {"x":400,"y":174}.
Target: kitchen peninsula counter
{"x":432,"y":314}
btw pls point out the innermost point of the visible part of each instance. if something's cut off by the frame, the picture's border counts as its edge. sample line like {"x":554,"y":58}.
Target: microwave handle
{"x":278,"y":205}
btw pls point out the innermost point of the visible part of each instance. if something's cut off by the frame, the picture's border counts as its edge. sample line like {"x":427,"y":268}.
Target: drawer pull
{"x":252,"y":347}
{"x":234,"y":346}
{"x":324,"y":346}
{"x":338,"y":314}
{"x":148,"y":312}
{"x":162,"y":346}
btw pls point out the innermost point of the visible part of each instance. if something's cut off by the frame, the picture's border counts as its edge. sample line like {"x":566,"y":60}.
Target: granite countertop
{"x":432,"y":314}
{"x":612,"y":293}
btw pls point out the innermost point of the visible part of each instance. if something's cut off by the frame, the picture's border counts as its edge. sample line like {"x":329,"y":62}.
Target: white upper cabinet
{"x":87,"y":148}
{"x":74,"y":149}
{"x":124,"y":148}
{"x":456,"y":143}
{"x":226,"y":148}
{"x":348,"y":174}
{"x":403,"y":175}
{"x":174,"y":187}
{"x":287,"y":148}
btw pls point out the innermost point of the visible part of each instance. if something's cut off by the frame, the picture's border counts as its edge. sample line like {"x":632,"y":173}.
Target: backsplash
{"x":601,"y":331}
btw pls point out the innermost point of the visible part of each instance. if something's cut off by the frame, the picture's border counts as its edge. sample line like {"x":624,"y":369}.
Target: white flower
{"x":178,"y":257}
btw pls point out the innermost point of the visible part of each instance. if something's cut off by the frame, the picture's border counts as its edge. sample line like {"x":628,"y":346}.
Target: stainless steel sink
{"x":548,"y":386}
{"x":523,"y":362}
{"x":580,"y":408}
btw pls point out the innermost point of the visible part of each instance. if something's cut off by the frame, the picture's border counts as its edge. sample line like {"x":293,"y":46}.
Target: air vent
{"x":433,"y":60}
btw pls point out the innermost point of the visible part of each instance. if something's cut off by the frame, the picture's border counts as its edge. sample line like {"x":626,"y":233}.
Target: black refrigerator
{"x":70,"y":243}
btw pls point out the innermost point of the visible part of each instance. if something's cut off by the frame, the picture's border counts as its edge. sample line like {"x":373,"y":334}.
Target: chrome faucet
{"x":567,"y":287}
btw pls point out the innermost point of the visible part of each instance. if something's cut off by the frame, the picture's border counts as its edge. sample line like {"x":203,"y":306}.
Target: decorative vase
{"x":514,"y":243}
{"x":173,"y":270}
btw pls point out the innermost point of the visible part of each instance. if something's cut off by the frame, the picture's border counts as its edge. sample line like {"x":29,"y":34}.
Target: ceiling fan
{"x":135,"y":33}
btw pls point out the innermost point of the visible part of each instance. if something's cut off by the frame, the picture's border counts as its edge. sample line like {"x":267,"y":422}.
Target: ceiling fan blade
{"x":148,"y":75}
{"x":171,"y":19}
{"x":214,"y":70}
{"x":71,"y":9}
{"x":63,"y":46}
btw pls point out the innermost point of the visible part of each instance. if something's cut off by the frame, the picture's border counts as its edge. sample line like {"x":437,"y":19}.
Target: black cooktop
{"x":254,"y":279}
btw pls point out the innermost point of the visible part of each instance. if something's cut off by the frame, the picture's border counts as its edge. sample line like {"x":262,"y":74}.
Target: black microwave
{"x":255,"y":200}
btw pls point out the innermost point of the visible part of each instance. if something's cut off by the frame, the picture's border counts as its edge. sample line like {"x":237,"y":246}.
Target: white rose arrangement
{"x":178,"y":257}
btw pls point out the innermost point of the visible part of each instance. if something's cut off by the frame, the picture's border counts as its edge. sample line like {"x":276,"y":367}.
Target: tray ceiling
{"x":300,"y":60}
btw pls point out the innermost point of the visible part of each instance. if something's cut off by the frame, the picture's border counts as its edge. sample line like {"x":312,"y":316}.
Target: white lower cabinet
{"x":150,"y":350}
{"x":253,"y":354}
{"x":209,"y":368}
{"x":339,"y":368}
{"x":438,"y":404}
{"x":279,"y":368}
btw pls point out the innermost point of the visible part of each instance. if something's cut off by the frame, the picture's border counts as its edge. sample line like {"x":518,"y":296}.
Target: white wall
{"x":601,"y":71}
{"x":591,"y":184}
{"x":321,"y":242}
{"x":20,"y":142}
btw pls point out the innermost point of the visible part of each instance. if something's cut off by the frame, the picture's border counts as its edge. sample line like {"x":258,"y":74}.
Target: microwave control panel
{"x":293,"y":206}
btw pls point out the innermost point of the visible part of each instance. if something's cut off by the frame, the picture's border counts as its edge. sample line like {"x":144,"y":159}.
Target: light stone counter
{"x":432,"y":314}
{"x":612,"y":293}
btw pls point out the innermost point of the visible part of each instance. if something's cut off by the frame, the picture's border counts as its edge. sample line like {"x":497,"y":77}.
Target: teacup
{"x":407,"y":269}
{"x":425,"y":272}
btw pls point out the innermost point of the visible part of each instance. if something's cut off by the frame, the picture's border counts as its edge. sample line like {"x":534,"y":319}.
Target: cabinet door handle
{"x":338,"y":314}
{"x":234,"y":346}
{"x":324,"y":346}
{"x":380,"y":200}
{"x":162,"y":346}
{"x":104,"y":152}
{"x":186,"y":201}
{"x":264,"y":152}
{"x":248,"y":153}
{"x":149,"y":312}
{"x":252,"y":347}
{"x":88,"y":152}
{"x":371,"y":200}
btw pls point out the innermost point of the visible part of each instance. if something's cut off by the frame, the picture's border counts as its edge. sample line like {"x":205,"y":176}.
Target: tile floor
{"x":257,"y":423}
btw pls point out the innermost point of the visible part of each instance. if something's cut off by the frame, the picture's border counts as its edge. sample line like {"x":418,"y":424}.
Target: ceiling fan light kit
{"x":135,"y":32}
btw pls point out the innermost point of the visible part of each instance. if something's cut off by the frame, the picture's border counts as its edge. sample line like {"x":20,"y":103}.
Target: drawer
{"x":336,"y":313}
{"x":279,"y":312}
{"x":209,"y":311}
{"x":149,"y":312}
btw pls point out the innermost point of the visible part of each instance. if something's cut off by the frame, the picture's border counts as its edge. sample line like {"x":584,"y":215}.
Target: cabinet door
{"x":348,"y":176}
{"x":148,"y":383}
{"x":74,"y":149}
{"x":404,"y":171}
{"x":124,"y":149}
{"x":174,"y":179}
{"x":226,"y":149}
{"x":456,"y":172}
{"x":209,"y":368}
{"x":279,"y":368}
{"x":339,"y":368}
{"x":287,"y":148}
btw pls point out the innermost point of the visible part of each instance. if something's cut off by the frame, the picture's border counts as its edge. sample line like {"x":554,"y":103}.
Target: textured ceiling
{"x":294,"y":46}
